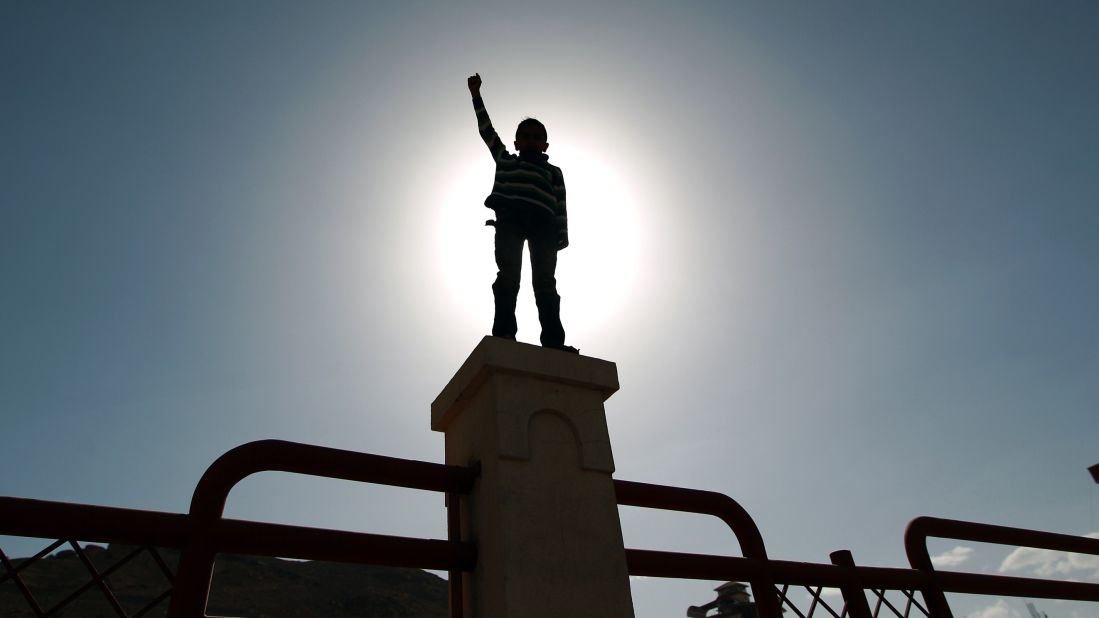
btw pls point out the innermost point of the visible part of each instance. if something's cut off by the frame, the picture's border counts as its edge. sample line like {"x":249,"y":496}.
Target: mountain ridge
{"x":257,"y":587}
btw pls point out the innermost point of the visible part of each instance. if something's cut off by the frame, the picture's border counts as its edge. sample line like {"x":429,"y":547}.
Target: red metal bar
{"x":69,"y":599}
{"x":263,"y":539}
{"x":1002,"y":585}
{"x":455,"y":601}
{"x":281,"y":456}
{"x":21,"y":585}
{"x":852,"y":591}
{"x":101,"y":524}
{"x":910,"y":595}
{"x":933,"y":592}
{"x":26,"y":562}
{"x":784,"y":598}
{"x":881,"y":600}
{"x":703,"y":566}
{"x":723,"y":507}
{"x":99,"y":579}
{"x":915,"y":543}
{"x":208,"y":503}
{"x":667,"y":498}
{"x":651,"y":563}
{"x":919,"y":529}
{"x":168,"y":575}
{"x":94,"y":524}
{"x":816,"y":601}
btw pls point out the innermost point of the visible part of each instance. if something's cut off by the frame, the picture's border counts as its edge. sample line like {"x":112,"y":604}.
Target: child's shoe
{"x":563,"y":348}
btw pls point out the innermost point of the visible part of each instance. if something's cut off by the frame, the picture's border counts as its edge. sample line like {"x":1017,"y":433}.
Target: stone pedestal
{"x":543,"y":512}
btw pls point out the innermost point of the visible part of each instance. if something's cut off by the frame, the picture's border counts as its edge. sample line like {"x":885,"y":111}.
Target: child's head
{"x":530,"y":135}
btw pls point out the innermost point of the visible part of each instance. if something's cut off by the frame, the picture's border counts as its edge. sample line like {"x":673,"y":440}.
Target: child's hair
{"x":531,"y":122}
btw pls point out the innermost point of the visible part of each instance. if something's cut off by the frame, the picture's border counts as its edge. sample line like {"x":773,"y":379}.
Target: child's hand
{"x":474,"y":83}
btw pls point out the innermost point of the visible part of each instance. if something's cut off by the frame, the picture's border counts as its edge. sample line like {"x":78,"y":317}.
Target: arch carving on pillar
{"x":588,"y":427}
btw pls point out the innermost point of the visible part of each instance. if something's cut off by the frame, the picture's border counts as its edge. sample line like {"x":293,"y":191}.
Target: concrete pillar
{"x":543,"y":512}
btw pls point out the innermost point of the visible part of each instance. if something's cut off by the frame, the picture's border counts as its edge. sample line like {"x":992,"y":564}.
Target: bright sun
{"x":595,"y":274}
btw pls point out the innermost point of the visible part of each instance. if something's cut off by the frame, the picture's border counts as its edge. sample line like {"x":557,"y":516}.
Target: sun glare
{"x":595,"y":274}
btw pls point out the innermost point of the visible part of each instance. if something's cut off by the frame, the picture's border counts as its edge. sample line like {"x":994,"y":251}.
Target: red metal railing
{"x":843,"y":573}
{"x":211,"y":534}
{"x":204,"y":532}
{"x":921,"y":528}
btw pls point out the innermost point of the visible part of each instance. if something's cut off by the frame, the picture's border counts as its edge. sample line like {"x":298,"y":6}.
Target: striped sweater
{"x":526,"y":180}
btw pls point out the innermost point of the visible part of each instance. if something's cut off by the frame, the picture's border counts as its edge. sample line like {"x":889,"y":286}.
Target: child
{"x":528,"y":196}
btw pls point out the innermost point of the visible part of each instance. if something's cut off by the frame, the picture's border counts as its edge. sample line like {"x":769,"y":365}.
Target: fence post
{"x":852,"y":590}
{"x":543,"y":513}
{"x":192,"y":583}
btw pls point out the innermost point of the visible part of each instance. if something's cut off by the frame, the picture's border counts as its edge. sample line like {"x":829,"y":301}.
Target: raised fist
{"x":474,"y":83}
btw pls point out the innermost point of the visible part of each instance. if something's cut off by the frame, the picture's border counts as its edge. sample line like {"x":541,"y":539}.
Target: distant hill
{"x":242,"y":586}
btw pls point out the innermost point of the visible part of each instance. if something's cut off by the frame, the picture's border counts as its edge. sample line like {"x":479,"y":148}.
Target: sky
{"x":843,"y":255}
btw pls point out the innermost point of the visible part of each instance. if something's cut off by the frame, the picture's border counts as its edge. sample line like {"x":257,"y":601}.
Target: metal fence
{"x":202,"y":533}
{"x":855,"y":582}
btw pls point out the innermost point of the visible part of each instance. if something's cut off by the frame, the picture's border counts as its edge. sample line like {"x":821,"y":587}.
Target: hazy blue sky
{"x":854,"y":277}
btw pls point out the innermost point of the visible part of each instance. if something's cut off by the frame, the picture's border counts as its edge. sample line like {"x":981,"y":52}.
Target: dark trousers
{"x":512,"y":229}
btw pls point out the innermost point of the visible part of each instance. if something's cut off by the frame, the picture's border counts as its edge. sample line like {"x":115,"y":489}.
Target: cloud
{"x":825,"y":594}
{"x":1046,"y":562}
{"x":953,"y":557}
{"x":999,"y":609}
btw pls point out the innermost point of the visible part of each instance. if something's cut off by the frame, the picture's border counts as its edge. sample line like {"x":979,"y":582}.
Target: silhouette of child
{"x":528,"y":196}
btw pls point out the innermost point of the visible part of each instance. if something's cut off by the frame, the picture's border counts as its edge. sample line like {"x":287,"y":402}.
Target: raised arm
{"x":484,"y":124}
